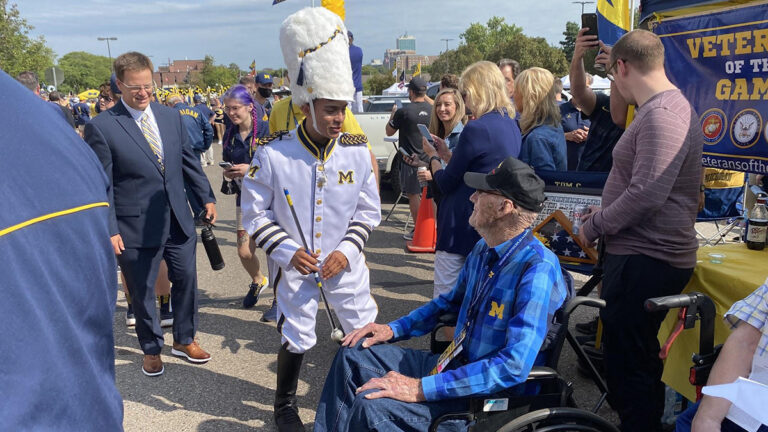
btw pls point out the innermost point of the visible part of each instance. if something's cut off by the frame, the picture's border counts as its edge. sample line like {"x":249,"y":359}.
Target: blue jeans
{"x":340,"y":409}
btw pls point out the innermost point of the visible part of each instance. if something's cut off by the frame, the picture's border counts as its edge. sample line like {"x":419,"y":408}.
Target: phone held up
{"x":589,"y":20}
{"x":225,"y":165}
{"x":425,"y":133}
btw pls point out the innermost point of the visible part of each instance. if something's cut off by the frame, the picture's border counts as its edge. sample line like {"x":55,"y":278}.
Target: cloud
{"x":239,"y":31}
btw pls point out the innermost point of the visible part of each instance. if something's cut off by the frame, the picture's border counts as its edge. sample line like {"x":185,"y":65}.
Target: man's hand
{"x":237,"y":171}
{"x":117,"y":244}
{"x":304,"y":262}
{"x":210,"y":213}
{"x":374,"y":334}
{"x":394,"y":386}
{"x":577,"y":135}
{"x":429,"y":150}
{"x":583,"y":44}
{"x":604,"y":56}
{"x":333,"y":264}
{"x":424,"y":175}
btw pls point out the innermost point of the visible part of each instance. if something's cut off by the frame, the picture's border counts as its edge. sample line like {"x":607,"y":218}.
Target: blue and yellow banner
{"x":613,"y":20}
{"x":720,"y":62}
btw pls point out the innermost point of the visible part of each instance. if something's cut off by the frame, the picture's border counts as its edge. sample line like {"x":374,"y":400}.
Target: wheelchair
{"x":552,"y":406}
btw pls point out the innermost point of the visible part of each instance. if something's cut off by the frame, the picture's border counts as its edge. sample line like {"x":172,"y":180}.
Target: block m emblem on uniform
{"x":346,"y":177}
{"x":496,"y":310}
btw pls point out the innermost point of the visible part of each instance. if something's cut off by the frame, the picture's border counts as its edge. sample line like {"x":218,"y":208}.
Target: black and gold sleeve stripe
{"x":357,"y":234}
{"x":269,"y":236}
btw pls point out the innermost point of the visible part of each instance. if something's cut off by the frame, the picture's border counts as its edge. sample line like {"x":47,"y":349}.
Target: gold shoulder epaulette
{"x":271,"y":137}
{"x":353,"y":139}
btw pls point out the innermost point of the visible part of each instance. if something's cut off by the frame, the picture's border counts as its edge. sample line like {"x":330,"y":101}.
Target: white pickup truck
{"x":373,"y":121}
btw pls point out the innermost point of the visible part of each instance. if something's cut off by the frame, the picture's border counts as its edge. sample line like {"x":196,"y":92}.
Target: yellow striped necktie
{"x":152,"y":138}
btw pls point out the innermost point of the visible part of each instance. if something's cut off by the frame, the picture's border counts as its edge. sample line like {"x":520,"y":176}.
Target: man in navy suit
{"x":147,"y":155}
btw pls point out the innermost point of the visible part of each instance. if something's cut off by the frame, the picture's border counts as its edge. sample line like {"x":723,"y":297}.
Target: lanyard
{"x":487,"y":283}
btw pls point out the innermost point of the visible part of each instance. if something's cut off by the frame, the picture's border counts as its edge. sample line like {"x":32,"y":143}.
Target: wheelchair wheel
{"x":559,"y":420}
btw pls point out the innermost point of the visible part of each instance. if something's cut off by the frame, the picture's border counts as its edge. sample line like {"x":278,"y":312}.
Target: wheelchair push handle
{"x":657,"y":304}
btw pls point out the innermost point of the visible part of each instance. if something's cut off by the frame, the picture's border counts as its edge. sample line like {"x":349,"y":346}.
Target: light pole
{"x":446,"y":42}
{"x":109,"y":51}
{"x":582,"y":3}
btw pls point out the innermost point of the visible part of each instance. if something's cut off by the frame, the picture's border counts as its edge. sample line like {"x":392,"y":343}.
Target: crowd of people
{"x":305,"y":183}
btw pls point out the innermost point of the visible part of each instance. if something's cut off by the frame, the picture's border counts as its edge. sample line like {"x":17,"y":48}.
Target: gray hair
{"x":29,"y":80}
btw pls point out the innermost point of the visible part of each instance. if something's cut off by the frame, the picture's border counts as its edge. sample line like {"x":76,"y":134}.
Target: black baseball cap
{"x":515,"y":180}
{"x":417,"y":83}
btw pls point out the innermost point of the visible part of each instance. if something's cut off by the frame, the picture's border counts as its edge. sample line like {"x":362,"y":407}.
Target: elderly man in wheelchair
{"x":508,"y":292}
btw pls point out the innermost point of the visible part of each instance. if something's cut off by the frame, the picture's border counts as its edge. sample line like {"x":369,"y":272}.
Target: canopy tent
{"x":396,"y":89}
{"x":88,"y":94}
{"x":598,"y":82}
{"x":670,"y":8}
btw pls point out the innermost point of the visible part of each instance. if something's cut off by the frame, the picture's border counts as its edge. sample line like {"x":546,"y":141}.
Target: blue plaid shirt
{"x":753,"y":310}
{"x":503,"y":343}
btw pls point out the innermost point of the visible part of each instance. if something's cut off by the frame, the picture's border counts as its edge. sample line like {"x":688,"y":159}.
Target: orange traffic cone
{"x":425,"y":232}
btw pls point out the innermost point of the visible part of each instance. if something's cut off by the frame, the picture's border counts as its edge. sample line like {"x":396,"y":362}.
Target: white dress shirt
{"x":136,"y":114}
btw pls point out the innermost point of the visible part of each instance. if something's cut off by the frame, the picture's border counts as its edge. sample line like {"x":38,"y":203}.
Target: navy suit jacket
{"x":144,"y":197}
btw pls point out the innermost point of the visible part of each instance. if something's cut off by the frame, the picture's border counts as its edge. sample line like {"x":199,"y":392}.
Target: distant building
{"x":406,"y":43}
{"x":178,"y":72}
{"x":408,"y":61}
{"x":376,"y":62}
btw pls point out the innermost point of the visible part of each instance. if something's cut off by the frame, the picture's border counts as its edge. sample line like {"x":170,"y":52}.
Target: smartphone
{"x":225,"y":165}
{"x":403,"y":151}
{"x":589,"y":20}
{"x":425,"y":133}
{"x":399,"y":103}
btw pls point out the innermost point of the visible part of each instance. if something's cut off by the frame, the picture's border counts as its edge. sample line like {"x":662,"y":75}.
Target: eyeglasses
{"x":230,"y":108}
{"x":105,"y":98}
{"x":609,"y":73}
{"x":137,"y":88}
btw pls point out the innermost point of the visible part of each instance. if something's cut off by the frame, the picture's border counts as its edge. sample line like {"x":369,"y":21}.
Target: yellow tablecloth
{"x":742,"y":270}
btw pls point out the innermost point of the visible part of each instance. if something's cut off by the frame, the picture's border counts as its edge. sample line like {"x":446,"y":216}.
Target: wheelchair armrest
{"x":448,"y":319}
{"x":542,"y":372}
{"x":586,"y":301}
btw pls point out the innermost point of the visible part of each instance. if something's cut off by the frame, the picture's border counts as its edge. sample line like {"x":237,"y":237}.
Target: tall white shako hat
{"x":316,"y":53}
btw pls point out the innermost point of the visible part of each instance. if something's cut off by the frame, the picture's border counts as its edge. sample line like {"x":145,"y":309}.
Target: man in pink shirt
{"x":646,"y":223}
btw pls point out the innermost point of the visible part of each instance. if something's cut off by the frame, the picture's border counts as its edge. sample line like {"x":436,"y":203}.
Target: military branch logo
{"x":713,"y":125}
{"x":271,"y":137}
{"x":346,"y":177}
{"x":746,"y":127}
{"x":353,"y":139}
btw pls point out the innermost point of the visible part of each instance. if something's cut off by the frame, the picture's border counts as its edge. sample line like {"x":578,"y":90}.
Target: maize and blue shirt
{"x":510,"y":325}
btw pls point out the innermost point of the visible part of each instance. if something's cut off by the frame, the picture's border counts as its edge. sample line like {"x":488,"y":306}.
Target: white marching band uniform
{"x":337,"y":202}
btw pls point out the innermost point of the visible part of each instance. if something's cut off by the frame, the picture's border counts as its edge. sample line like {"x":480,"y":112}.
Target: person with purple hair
{"x":240,"y":140}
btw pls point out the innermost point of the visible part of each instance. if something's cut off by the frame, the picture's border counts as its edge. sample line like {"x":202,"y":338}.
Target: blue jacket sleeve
{"x":452,"y":176}
{"x":422,"y":320}
{"x":207,"y":129}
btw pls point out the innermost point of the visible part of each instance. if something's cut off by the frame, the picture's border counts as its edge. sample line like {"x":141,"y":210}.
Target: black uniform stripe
{"x":361,"y":225}
{"x":261,"y":230}
{"x":275,"y":244}
{"x":271,"y":236}
{"x":354,"y":241}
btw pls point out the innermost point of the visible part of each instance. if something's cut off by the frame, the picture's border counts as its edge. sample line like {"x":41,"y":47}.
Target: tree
{"x":455,"y":61}
{"x":377,"y":83}
{"x":569,"y":41}
{"x":486,"y":37}
{"x":530,"y":52}
{"x":213,"y":76}
{"x":83,"y":71}
{"x":19,"y":52}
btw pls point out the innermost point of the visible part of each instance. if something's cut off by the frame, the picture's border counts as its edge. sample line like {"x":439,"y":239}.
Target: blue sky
{"x":240,"y":31}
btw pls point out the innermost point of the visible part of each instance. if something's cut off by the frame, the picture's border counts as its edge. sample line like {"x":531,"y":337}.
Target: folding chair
{"x":402,"y":195}
{"x":724,"y":195}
